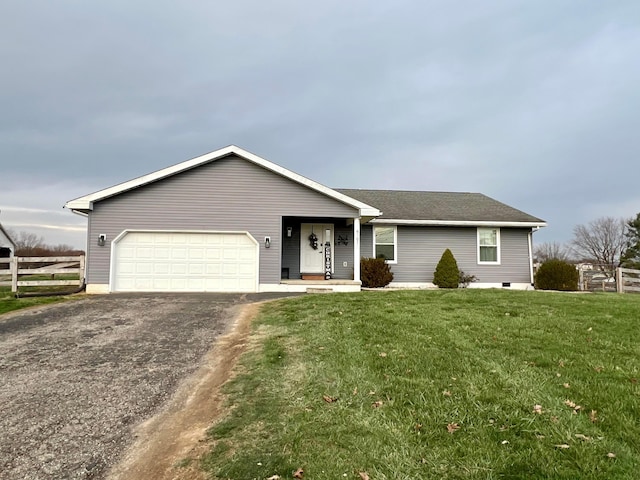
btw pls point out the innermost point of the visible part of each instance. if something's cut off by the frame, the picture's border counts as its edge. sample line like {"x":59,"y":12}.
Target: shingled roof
{"x":441,"y":207}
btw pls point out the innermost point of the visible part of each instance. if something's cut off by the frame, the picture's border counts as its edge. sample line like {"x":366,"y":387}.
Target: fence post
{"x":581,"y":279}
{"x":619,"y":284}
{"x":81,"y":277}
{"x":14,"y":274}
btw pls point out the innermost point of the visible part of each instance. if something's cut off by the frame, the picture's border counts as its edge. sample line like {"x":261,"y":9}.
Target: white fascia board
{"x":456,"y":223}
{"x":86,"y":202}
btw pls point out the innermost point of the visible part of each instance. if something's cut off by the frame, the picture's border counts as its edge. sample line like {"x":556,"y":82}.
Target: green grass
{"x":482,"y":359}
{"x":8,"y":302}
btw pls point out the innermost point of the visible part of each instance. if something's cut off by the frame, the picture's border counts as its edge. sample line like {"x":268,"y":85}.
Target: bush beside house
{"x":557,"y":275}
{"x":447,"y":274}
{"x":375,"y":273}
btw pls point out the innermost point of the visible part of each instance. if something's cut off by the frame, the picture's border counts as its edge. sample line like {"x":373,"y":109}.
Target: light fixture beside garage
{"x":289,"y":231}
{"x":101,"y":239}
{"x":267,"y":242}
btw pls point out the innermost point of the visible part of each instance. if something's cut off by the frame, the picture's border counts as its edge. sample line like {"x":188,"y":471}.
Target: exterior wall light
{"x":289,"y":231}
{"x":267,"y":242}
{"x":101,"y":239}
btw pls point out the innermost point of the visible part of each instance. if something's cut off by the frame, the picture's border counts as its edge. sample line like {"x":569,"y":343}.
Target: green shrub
{"x":375,"y":272}
{"x":557,"y":275}
{"x":447,"y":274}
{"x":464,"y":279}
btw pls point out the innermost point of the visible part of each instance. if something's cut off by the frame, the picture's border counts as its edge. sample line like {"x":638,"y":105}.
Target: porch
{"x":310,"y":244}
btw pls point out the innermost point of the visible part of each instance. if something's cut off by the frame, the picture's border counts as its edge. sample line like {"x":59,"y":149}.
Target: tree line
{"x":606,"y":242}
{"x":32,"y":245}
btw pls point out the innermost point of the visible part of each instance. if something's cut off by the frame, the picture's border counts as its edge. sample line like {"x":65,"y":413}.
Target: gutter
{"x":457,"y":223}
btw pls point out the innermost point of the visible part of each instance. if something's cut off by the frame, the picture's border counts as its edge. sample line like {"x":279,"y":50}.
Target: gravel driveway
{"x":76,"y":377}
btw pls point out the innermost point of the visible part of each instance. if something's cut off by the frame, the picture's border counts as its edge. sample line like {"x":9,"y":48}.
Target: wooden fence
{"x":627,"y":280}
{"x":21,"y":268}
{"x":597,"y":279}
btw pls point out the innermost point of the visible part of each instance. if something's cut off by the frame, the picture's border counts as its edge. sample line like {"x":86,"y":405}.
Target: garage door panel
{"x":161,"y":268}
{"x":161,"y":285}
{"x":246,"y":255}
{"x":144,"y":268}
{"x":213,"y":269}
{"x":230,"y":253}
{"x":213,"y":253}
{"x":179,"y":253}
{"x":178,"y":269}
{"x":196,"y":268}
{"x":184,"y":261}
{"x":196,"y":253}
{"x":143,"y":238}
{"x":144,"y":252}
{"x":161,"y":238}
{"x":213,"y":240}
{"x":127,"y":267}
{"x":229,"y":269}
{"x":246,"y":269}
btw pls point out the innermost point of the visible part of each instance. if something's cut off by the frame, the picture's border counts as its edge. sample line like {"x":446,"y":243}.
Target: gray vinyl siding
{"x":419,"y":249}
{"x":343,"y":253}
{"x":230,"y":194}
{"x":291,"y":252}
{"x":366,"y":241}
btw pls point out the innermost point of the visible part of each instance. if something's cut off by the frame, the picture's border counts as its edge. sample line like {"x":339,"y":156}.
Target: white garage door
{"x":185,"y":262}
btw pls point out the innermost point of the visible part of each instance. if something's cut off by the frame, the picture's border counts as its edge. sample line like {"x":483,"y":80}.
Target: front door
{"x":312,"y":252}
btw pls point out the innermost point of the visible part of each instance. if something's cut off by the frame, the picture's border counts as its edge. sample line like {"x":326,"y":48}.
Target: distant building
{"x":7,"y":245}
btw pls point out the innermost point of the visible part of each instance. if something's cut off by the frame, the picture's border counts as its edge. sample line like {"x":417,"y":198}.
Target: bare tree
{"x":550,"y":251}
{"x":26,"y":243}
{"x":61,"y":248}
{"x":602,"y":240}
{"x":32,"y":245}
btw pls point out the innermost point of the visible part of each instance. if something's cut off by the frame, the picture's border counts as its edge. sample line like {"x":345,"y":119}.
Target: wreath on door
{"x":313,"y":241}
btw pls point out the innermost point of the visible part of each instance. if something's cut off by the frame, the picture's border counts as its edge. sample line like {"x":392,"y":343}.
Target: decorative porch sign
{"x":327,"y":261}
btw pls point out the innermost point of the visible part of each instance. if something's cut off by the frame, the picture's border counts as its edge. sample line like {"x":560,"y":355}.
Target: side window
{"x":489,"y":245}
{"x":385,"y":243}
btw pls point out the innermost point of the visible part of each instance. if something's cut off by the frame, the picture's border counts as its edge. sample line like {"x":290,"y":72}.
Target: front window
{"x":385,"y":243}
{"x":489,"y":245}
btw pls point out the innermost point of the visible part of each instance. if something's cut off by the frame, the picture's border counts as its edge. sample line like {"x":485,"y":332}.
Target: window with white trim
{"x":489,"y":246}
{"x":385,"y":241}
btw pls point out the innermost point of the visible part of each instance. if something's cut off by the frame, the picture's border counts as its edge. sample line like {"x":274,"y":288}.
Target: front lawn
{"x":476,"y":384}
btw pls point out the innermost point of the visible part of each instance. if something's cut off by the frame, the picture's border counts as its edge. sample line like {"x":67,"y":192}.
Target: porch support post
{"x":356,"y":249}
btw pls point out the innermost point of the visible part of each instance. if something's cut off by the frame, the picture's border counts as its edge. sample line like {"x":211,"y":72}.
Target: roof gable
{"x":442,"y":208}
{"x":5,"y":234}
{"x":85,"y":204}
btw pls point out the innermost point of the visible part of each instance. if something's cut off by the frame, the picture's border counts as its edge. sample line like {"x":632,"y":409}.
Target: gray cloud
{"x":533,"y":103}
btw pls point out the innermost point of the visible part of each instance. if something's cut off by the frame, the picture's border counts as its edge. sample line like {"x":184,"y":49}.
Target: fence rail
{"x":597,"y":278}
{"x":628,"y":280}
{"x":17,"y":268}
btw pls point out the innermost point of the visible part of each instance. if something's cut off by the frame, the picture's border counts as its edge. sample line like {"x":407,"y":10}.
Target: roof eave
{"x":370,"y":212}
{"x":458,"y":223}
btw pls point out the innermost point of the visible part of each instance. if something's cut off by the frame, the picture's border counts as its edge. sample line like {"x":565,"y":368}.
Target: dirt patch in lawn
{"x":169,"y":445}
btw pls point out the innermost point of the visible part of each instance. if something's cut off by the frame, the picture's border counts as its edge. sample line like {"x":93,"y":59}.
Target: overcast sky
{"x":534,"y":103}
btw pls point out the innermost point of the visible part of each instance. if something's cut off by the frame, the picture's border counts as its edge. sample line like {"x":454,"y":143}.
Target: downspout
{"x":356,"y":249}
{"x":530,"y":239}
